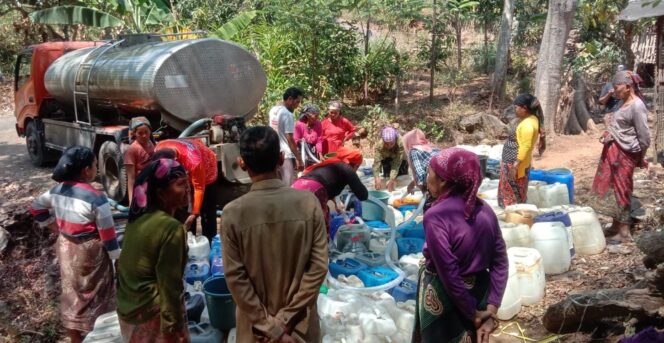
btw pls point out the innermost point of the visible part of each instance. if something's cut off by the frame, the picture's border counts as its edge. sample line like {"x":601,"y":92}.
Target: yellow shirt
{"x":527,"y":133}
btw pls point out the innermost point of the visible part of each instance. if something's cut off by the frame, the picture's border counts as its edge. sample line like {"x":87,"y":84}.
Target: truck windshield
{"x":23,"y":70}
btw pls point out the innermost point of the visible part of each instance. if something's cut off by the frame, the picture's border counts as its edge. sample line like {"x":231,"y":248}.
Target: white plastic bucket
{"x":550,"y":239}
{"x":511,"y":302}
{"x":516,"y":235}
{"x":587,"y":231}
{"x":530,"y":271}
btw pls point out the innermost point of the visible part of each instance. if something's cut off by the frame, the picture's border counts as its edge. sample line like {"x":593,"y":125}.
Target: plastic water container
{"x":496,"y":152}
{"x":538,"y":175}
{"x":371,"y":211}
{"x":553,"y":195}
{"x":106,"y":329}
{"x":520,"y":217}
{"x":378,"y":225}
{"x":348,"y":232}
{"x":530,"y":272}
{"x":398,"y":216}
{"x":587,"y":231}
{"x":376,"y":276}
{"x":564,"y":176}
{"x":199,"y":247}
{"x":550,"y":239}
{"x":379,"y":245}
{"x":215,"y":248}
{"x":533,"y":196}
{"x":510,"y":305}
{"x":204,"y":333}
{"x":407,"y":246}
{"x":412,"y":230}
{"x":196,"y":271}
{"x":563,"y":217}
{"x":521,"y":207}
{"x":371,"y":259}
{"x":347,"y":266}
{"x":407,"y":290}
{"x":516,"y":235}
{"x":220,"y":305}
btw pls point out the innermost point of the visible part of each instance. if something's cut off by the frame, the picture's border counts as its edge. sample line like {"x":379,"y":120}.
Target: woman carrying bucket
{"x":151,"y":267}
{"x":462,"y":281}
{"x":626,"y":141}
{"x":328,"y":178}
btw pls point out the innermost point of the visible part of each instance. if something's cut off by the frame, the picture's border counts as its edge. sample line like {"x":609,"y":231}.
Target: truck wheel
{"x":34,"y":141}
{"x":112,"y":171}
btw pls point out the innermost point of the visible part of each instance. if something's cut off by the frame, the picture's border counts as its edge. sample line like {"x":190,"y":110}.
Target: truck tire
{"x":112,"y":172}
{"x":34,"y":141}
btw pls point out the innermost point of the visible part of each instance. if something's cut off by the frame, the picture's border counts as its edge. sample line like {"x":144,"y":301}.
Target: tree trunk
{"x":397,"y":87}
{"x":573,"y":127}
{"x":549,"y":65}
{"x":486,"y":47}
{"x":366,"y":53}
{"x":432,"y":61}
{"x":627,"y":46}
{"x":580,"y":107}
{"x":457,"y":28}
{"x":502,"y":49}
{"x":605,"y":308}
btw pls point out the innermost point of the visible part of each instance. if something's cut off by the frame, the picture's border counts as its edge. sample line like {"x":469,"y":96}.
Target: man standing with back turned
{"x":282,"y":121}
{"x":275,"y":249}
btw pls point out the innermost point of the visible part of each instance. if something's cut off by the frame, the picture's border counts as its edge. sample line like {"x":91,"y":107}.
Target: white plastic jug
{"x":496,"y":152}
{"x":521,"y":207}
{"x":550,"y":239}
{"x":483,"y":150}
{"x":533,"y":196}
{"x":553,"y":195}
{"x":530,"y":271}
{"x":199,"y":247}
{"x":587,"y":231}
{"x":516,"y":235}
{"x":106,"y":329}
{"x":511,"y":302}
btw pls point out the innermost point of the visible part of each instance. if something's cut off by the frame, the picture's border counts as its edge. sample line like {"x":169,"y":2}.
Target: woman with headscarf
{"x":462,"y":281}
{"x":518,"y":150}
{"x":81,"y":216}
{"x":418,"y":154}
{"x":309,"y":130}
{"x":328,"y":178}
{"x":140,"y":151}
{"x":626,"y":141}
{"x":151,"y":267}
{"x":388,"y":159}
{"x":336,"y":129}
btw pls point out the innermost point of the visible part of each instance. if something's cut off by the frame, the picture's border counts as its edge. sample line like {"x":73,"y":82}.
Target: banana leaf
{"x":71,"y":15}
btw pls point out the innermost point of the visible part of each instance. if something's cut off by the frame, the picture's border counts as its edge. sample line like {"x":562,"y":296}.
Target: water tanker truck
{"x":85,"y":93}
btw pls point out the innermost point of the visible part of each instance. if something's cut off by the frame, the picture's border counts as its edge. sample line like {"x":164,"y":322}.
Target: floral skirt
{"x":436,"y":317}
{"x":613,"y":185}
{"x":87,"y":282}
{"x":150,"y":332}
{"x":511,"y":192}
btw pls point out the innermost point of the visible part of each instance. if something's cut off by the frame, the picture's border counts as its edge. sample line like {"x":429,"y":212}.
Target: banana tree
{"x":74,"y":15}
{"x":235,"y":25}
{"x":143,"y":14}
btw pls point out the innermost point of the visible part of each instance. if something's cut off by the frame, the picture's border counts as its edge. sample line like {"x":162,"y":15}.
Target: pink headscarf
{"x":460,"y":169}
{"x":416,"y":139}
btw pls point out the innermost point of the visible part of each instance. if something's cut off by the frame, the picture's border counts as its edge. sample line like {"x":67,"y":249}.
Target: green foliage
{"x":71,"y":15}
{"x":235,"y":25}
{"x":530,"y":16}
{"x":483,"y":56}
{"x":380,"y":65}
{"x":434,"y":131}
{"x":206,"y":14}
{"x":375,"y":119}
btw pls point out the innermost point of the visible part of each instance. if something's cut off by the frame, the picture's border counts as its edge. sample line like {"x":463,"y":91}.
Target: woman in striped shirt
{"x":81,"y":216}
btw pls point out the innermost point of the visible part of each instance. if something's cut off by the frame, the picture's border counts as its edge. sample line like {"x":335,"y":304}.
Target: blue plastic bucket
{"x":221,"y":307}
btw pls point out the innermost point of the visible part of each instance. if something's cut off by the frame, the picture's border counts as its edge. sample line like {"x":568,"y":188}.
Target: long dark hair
{"x":72,"y":162}
{"x":533,"y":105}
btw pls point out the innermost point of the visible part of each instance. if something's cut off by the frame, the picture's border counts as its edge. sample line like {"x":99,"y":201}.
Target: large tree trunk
{"x":549,"y":65}
{"x":502,"y":49}
{"x":581,"y":108}
{"x":366,"y":53}
{"x":432,"y":61}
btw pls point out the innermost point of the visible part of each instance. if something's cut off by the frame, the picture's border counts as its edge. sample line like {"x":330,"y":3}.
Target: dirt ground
{"x":29,"y":279}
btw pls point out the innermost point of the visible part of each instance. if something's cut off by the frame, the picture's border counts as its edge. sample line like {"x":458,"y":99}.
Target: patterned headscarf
{"x":309,"y":108}
{"x":389,"y":134}
{"x":418,"y":140}
{"x":344,"y":154}
{"x":460,"y":169}
{"x":157,"y":174}
{"x":627,"y":77}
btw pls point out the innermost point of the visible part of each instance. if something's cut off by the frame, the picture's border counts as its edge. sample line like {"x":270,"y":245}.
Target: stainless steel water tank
{"x":187,"y":79}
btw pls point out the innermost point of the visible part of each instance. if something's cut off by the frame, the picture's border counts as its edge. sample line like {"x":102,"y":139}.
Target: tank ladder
{"x":89,"y":65}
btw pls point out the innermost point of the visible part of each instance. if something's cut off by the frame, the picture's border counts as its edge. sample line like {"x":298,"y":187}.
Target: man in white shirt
{"x":282,"y":120}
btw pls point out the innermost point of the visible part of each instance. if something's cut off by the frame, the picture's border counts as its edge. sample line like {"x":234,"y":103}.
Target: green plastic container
{"x":370,"y":210}
{"x":221,"y":307}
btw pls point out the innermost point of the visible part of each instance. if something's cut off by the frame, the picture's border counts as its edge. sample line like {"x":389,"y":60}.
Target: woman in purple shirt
{"x":462,"y":281}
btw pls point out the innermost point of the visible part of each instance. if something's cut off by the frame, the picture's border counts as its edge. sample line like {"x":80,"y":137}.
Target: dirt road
{"x":15,"y":167}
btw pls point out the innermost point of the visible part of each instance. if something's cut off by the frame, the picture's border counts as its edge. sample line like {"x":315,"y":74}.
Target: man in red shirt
{"x":201,"y":165}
